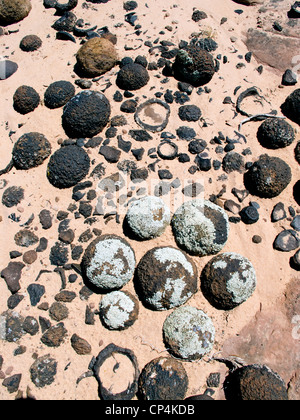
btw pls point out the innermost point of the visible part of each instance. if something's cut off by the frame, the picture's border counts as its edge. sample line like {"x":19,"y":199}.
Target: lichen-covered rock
{"x":291,"y":106}
{"x":108,"y":262}
{"x":200,"y":227}
{"x":12,"y":196}
{"x":254,"y":383}
{"x":194,"y":65}
{"x":275,"y":133}
{"x":43,"y":371}
{"x":163,"y":378}
{"x":267,"y":177}
{"x":30,"y":43}
{"x":86,"y":114}
{"x":188,"y":333}
{"x":13,"y":11}
{"x":11,"y":326}
{"x":96,"y":57}
{"x":148,"y":217}
{"x":132,"y":76}
{"x":58,"y":94}
{"x":118,"y":310}
{"x":30,"y":150}
{"x":68,"y":166}
{"x":25,"y":99}
{"x":166,"y":278}
{"x":228,"y":280}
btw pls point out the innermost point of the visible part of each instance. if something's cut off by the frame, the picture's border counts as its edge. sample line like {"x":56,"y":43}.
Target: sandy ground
{"x":259,"y":329}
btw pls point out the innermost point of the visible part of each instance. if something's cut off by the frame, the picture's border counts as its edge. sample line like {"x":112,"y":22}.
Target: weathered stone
{"x":43,"y":371}
{"x":12,"y":275}
{"x":80,"y":345}
{"x":13,"y":11}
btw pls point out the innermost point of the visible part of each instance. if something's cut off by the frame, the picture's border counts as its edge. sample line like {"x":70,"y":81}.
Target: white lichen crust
{"x":200,"y":227}
{"x":118,"y":310}
{"x":109,"y":262}
{"x":189,"y":333}
{"x":148,"y":217}
{"x":240,"y":283}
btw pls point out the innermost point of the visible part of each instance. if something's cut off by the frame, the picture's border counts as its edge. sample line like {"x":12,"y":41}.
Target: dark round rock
{"x":267,"y":177}
{"x":43,"y":371}
{"x":233,"y":161}
{"x":163,"y":378}
{"x":68,"y":166}
{"x":30,"y":150}
{"x":254,"y":383}
{"x":291,"y":106}
{"x":189,"y":113}
{"x":197,"y":146}
{"x":194,"y":65}
{"x":165,"y":278}
{"x":66,"y":22}
{"x":228,"y":280}
{"x":12,"y":196}
{"x":30,"y":43}
{"x":297,"y":152}
{"x":249,"y":215}
{"x":296,"y":192}
{"x":275,"y":133}
{"x":86,"y":114}
{"x":132,"y":77}
{"x":58,"y":94}
{"x":65,"y":6}
{"x":25,"y":99}
{"x":186,"y":133}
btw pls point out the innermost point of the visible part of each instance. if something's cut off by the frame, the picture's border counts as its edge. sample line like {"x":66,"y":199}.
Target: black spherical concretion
{"x":86,"y":114}
{"x":68,"y":166}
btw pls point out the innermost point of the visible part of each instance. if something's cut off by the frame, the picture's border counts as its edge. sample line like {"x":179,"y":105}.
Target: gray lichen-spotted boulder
{"x":188,"y":333}
{"x":166,"y":278}
{"x":13,"y":11}
{"x":148,"y":217}
{"x":108,"y":262}
{"x":228,"y":280}
{"x":200,"y":227}
{"x":118,"y":310}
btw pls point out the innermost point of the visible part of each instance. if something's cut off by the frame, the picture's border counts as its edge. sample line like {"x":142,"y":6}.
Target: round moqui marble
{"x":13,"y":11}
{"x":25,"y":99}
{"x":163,"y":378}
{"x":267,"y":177}
{"x":254,"y":383}
{"x":30,"y":150}
{"x":188,"y":333}
{"x":96,"y":57}
{"x":200,"y":227}
{"x":118,"y":310}
{"x":194,"y":65}
{"x":132,"y":76}
{"x":291,"y":106}
{"x":275,"y":133}
{"x":86,"y":114}
{"x":58,"y":94}
{"x":148,"y":217}
{"x":165,"y":278}
{"x":228,"y":280}
{"x":108,"y":262}
{"x":68,"y":166}
{"x":30,"y":43}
